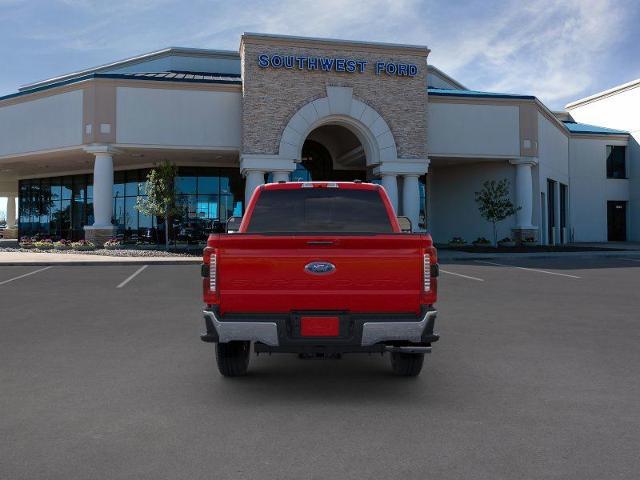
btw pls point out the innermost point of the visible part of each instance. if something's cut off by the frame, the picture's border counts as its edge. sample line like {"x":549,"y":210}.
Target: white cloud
{"x":545,"y":48}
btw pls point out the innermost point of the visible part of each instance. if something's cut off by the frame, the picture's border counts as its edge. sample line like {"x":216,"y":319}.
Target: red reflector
{"x":319,"y":326}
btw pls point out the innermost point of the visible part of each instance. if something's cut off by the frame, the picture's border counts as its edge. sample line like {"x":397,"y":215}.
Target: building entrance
{"x":331,"y":153}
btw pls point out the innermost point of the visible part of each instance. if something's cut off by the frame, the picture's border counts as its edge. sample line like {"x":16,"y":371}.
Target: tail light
{"x":210,"y":276}
{"x":426,"y":272}
{"x":213,"y":272}
{"x":430,"y":273}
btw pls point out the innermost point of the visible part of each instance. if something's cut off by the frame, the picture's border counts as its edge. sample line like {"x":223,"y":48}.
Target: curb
{"x":91,"y":263}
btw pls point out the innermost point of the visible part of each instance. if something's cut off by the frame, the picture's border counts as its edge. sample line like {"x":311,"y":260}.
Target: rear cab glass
{"x":319,"y":210}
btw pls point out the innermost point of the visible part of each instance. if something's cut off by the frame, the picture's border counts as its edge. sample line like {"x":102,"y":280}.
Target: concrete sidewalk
{"x":451,"y":255}
{"x":33,"y":258}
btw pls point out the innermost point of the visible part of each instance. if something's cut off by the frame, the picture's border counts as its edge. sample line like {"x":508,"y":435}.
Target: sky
{"x":557,"y":50}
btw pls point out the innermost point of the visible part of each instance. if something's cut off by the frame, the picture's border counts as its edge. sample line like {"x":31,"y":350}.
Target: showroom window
{"x":56,"y":207}
{"x":616,"y":161}
{"x":59,"y":207}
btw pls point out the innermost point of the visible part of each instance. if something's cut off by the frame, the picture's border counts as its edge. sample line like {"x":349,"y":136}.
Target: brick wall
{"x":271,"y":96}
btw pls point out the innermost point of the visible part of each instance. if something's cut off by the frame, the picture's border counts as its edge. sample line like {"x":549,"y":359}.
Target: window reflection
{"x":60,"y":207}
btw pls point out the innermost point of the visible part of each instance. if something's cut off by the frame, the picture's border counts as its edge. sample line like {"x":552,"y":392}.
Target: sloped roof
{"x":145,"y":57}
{"x":187,"y":77}
{"x":584,"y":128}
{"x":605,"y":93}
{"x":475,"y":93}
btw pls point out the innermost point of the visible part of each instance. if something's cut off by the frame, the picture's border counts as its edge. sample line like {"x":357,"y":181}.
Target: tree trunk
{"x":495,"y":235}
{"x":166,"y":230}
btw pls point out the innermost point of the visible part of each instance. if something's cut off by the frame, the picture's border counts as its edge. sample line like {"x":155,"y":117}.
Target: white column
{"x":11,"y":212}
{"x":411,"y":199}
{"x":280,"y":176}
{"x":524,"y":193}
{"x":255,"y":178}
{"x":390,"y":184}
{"x":103,"y":189}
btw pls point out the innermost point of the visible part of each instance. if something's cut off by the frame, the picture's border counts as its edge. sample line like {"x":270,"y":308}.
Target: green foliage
{"x":494,"y":203}
{"x":161,"y":198}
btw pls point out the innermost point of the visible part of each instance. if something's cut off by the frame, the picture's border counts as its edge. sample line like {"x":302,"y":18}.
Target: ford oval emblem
{"x":320,"y":268}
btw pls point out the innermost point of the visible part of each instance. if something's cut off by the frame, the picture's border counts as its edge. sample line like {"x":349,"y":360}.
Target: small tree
{"x":160,"y":191}
{"x":494,"y":203}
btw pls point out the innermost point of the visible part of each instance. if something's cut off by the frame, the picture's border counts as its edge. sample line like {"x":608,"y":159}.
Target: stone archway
{"x":340,"y":108}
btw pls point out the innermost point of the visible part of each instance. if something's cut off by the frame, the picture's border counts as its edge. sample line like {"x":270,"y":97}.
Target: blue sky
{"x":557,"y":50}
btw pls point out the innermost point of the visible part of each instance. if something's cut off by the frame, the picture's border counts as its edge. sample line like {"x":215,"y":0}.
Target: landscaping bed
{"x":125,"y":252}
{"x":524,"y":248}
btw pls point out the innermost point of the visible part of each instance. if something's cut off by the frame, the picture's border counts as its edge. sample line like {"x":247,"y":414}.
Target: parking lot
{"x":102,"y":375}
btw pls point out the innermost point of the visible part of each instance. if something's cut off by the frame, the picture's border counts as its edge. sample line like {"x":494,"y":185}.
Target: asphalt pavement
{"x":103,"y":376}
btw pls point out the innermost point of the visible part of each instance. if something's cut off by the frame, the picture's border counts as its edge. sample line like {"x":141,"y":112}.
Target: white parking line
{"x":463,"y":276}
{"x":132,"y":276}
{"x":529,"y":269}
{"x":25,"y":275}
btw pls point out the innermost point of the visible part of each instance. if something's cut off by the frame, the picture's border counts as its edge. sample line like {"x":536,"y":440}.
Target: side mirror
{"x":405,"y":224}
{"x":233,"y":224}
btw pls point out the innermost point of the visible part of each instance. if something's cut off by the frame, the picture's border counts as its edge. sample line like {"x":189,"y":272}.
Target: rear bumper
{"x":223,"y":332}
{"x":376,"y":332}
{"x":372,"y":332}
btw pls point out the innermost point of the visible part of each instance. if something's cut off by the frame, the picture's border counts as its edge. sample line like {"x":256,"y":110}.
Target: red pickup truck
{"x":320,"y":269}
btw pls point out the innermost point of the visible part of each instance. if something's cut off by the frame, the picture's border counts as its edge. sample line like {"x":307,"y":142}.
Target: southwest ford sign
{"x":333,"y":64}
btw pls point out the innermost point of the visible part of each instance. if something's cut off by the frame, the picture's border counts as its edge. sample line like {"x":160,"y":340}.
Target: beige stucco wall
{"x":178,"y":117}
{"x":467,"y":129}
{"x":271,"y":96}
{"x":54,"y":121}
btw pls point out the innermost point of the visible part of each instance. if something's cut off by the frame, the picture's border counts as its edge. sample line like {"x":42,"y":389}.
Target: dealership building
{"x":76,"y":149}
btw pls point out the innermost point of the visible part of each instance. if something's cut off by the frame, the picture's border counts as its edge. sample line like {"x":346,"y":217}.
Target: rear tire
{"x":233,"y":358}
{"x":407,"y":364}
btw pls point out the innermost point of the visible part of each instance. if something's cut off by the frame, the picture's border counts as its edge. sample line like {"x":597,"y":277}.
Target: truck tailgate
{"x":373,"y":273}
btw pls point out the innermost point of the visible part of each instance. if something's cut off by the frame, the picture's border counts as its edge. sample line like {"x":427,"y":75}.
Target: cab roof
{"x":328,"y":184}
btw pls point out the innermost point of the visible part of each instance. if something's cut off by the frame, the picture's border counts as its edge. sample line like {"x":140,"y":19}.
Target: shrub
{"x":481,"y":241}
{"x":62,"y":245}
{"x":26,"y":242}
{"x":83,"y":245}
{"x":113,"y":244}
{"x":457,"y":241}
{"x":46,"y":244}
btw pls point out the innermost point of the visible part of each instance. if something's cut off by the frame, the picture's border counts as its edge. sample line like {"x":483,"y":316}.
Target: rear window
{"x":319,"y":210}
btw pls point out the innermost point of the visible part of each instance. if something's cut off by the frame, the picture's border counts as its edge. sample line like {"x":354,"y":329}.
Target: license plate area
{"x":330,"y":326}
{"x":315,"y":326}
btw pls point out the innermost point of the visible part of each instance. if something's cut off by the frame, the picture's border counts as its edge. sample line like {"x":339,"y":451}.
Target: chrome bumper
{"x":265,"y":332}
{"x":375,"y":332}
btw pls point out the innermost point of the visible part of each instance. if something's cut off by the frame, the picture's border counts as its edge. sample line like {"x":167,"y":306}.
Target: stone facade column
{"x":411,"y":199}
{"x":390,"y":184}
{"x":254,"y":178}
{"x":524,"y":197}
{"x":280,"y":176}
{"x":102,"y":228}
